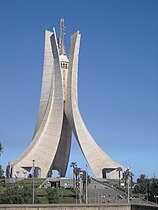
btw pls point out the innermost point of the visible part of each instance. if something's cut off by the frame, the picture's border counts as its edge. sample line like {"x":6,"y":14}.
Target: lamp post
{"x":80,"y":186}
{"x":86,"y":186}
{"x":156,"y":196}
{"x":128,"y":191}
{"x":95,"y":193}
{"x":128,"y":176}
{"x":33,"y":182}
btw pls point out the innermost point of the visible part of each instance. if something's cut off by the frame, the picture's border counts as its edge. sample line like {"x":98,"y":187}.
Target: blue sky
{"x":118,"y":75}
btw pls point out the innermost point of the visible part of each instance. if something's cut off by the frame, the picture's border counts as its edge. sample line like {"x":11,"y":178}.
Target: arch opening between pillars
{"x":55,"y":173}
{"x":106,"y":171}
{"x":37,"y":172}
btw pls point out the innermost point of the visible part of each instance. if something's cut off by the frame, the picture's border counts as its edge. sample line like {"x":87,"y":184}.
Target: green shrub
{"x":17,"y":195}
{"x":52,"y":195}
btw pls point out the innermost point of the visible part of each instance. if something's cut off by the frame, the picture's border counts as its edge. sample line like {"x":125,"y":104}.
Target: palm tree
{"x":119,"y":169}
{"x":77,"y":172}
{"x":84,"y":181}
{"x":1,"y":170}
{"x":142,"y":182}
{"x":131,"y":176}
{"x":73,"y":165}
{"x":128,"y":174}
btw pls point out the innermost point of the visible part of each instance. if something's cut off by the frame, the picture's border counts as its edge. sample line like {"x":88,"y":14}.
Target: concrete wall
{"x":144,"y":207}
{"x":78,"y":207}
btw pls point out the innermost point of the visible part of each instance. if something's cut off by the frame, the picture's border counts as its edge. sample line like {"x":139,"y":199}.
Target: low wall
{"x":144,"y":207}
{"x":78,"y":207}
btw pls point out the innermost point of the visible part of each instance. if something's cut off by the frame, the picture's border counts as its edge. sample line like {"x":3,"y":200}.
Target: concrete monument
{"x":59,"y":116}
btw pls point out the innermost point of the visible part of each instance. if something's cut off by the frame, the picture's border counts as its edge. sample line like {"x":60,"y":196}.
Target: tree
{"x":142,"y":182}
{"x":77,"y":172}
{"x":73,"y":165}
{"x":1,"y":170}
{"x":128,"y":175}
{"x":148,"y":188}
{"x":119,"y":169}
{"x":153,"y":190}
{"x":84,"y":174}
{"x":131,"y":176}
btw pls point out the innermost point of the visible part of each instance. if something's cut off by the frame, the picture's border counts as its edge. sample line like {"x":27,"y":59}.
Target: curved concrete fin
{"x":95,"y":156}
{"x":46,"y":80}
{"x":46,"y":139}
{"x":61,"y":159}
